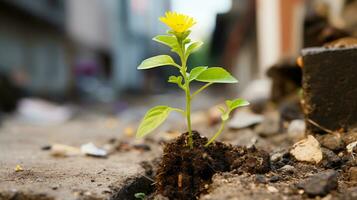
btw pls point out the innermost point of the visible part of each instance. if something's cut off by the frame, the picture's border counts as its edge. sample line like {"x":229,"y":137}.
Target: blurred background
{"x":87,"y":51}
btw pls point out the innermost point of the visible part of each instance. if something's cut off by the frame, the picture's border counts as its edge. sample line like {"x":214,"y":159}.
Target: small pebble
{"x":260,"y":178}
{"x":353,"y":174}
{"x":274,"y":179}
{"x":287,"y":169}
{"x":272,"y":189}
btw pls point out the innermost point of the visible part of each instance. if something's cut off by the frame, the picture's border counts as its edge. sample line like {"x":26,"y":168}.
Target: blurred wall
{"x":134,"y":23}
{"x":33,"y":41}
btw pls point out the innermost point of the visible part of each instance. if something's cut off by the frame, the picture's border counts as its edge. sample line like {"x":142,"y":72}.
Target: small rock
{"x":308,"y":150}
{"x":260,"y":178}
{"x":270,"y":126}
{"x":281,"y":158}
{"x":244,"y":119}
{"x":46,"y":147}
{"x":272,"y":189}
{"x":274,"y":179}
{"x":60,"y":150}
{"x":142,"y":147}
{"x":353,"y":174}
{"x":332,"y":141}
{"x":330,"y":159}
{"x":279,"y":155}
{"x":287,"y":169}
{"x":296,"y":129}
{"x":350,"y":137}
{"x":320,"y":184}
{"x":91,"y":150}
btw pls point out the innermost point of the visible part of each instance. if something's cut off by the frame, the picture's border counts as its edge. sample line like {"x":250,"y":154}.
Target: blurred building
{"x":33,"y":40}
{"x":90,"y":45}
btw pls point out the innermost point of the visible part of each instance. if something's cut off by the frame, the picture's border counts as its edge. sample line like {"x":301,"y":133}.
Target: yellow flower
{"x":178,"y":22}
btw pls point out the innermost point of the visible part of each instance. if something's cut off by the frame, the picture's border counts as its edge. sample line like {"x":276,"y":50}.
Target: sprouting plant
{"x":140,"y":195}
{"x":177,"y":39}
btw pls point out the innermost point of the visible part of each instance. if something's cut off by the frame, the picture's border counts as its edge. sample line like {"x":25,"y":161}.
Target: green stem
{"x":188,"y":116}
{"x":217,"y":134}
{"x":200,"y":90}
{"x":188,"y":92}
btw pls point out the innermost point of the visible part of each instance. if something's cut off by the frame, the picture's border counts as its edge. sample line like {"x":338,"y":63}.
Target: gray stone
{"x":332,"y":141}
{"x":320,"y":184}
{"x":287,"y":169}
{"x":330,"y":159}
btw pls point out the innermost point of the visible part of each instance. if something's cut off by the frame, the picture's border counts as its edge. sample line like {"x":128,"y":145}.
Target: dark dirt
{"x":186,"y":173}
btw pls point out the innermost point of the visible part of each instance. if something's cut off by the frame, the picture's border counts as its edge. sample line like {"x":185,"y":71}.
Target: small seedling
{"x":140,"y":195}
{"x":177,"y":38}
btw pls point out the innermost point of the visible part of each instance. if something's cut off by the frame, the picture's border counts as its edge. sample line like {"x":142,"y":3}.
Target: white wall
{"x":268,"y":28}
{"x":87,"y":22}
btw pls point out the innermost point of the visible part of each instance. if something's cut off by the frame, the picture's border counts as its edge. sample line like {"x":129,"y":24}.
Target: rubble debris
{"x":60,"y":150}
{"x":320,"y":184}
{"x":307,"y":150}
{"x":91,"y":150}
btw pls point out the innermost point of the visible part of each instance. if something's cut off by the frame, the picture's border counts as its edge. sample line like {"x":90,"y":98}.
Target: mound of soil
{"x":185,"y":173}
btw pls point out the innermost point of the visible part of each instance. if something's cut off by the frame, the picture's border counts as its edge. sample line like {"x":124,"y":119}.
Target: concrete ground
{"x":69,"y":177}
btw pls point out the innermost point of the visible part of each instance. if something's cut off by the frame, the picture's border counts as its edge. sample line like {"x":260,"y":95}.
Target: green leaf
{"x":193,"y":47}
{"x":153,"y":119}
{"x":216,"y":75}
{"x":170,"y":41}
{"x":236,"y":103}
{"x":195,"y":72}
{"x":157,"y":61}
